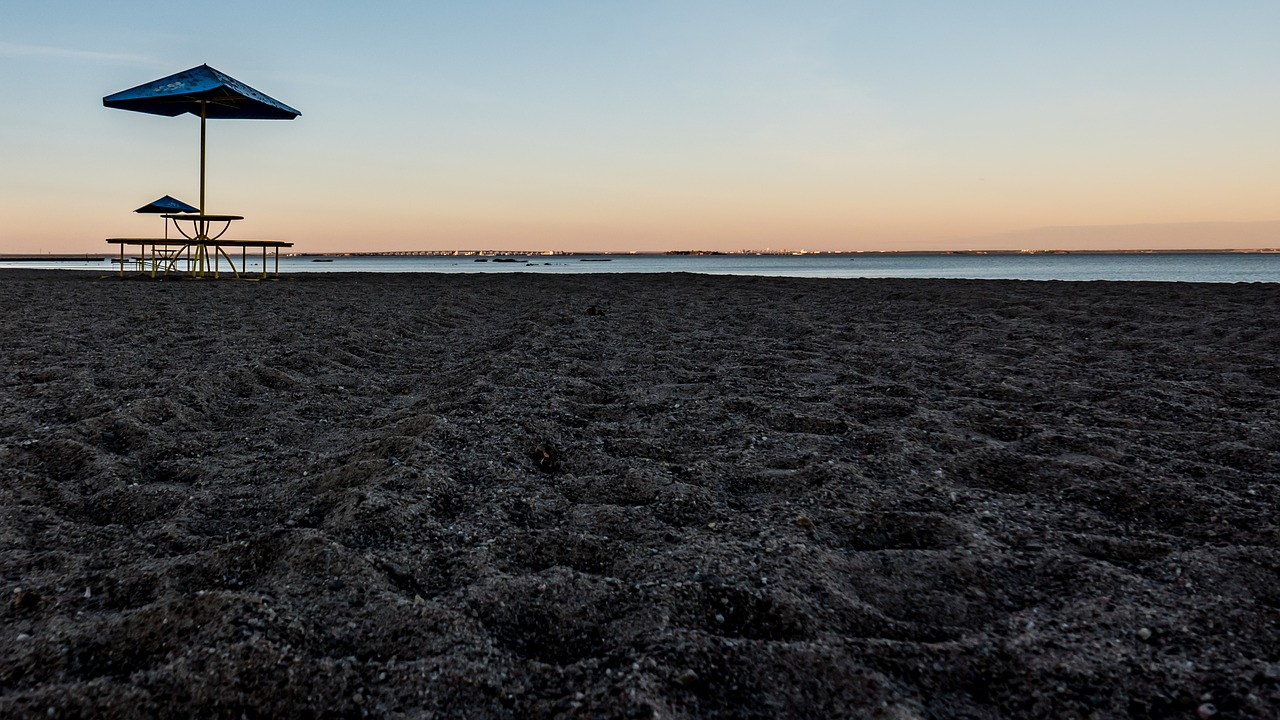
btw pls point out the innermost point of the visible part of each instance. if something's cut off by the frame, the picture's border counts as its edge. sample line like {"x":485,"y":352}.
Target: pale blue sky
{"x":648,"y":125}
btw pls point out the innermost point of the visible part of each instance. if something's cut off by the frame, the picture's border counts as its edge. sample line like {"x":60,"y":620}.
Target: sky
{"x":615,"y":125}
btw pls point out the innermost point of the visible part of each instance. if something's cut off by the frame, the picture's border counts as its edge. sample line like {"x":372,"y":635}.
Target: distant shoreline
{"x":94,"y":257}
{"x":79,"y":257}
{"x":836,"y":253}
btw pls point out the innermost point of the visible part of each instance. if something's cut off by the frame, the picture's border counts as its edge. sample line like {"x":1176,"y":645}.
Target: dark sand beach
{"x":663,"y":496}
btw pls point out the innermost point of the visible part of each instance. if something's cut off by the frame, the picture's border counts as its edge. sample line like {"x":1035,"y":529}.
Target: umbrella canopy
{"x":205,"y":93}
{"x":167,"y":204}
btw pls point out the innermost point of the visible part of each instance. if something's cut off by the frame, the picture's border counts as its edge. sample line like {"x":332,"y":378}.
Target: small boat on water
{"x":321,"y":259}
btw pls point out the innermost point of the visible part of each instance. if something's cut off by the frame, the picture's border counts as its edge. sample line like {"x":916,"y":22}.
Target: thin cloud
{"x":56,"y":53}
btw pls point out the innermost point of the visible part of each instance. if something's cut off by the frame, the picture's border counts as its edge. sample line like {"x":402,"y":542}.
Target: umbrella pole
{"x":203,"y":105}
{"x":200,"y":225}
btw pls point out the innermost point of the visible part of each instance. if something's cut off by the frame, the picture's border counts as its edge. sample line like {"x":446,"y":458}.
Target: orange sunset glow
{"x":829,"y":126}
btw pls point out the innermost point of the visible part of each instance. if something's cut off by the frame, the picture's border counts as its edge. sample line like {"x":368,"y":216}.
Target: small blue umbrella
{"x":205,"y":93}
{"x":167,"y":204}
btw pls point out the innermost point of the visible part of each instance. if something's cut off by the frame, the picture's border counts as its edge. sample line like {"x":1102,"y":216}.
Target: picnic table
{"x":198,"y":251}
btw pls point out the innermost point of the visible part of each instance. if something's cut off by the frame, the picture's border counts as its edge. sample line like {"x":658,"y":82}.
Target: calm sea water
{"x":1188,"y":267}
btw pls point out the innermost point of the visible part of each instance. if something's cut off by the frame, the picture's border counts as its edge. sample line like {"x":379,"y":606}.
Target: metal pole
{"x":203,"y":105}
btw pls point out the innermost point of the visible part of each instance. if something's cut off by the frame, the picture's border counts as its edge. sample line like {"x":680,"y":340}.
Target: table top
{"x":209,"y":218}
{"x":183,"y":242}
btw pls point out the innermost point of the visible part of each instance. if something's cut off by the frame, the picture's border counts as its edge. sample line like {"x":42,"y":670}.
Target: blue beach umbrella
{"x":203,"y":92}
{"x":167,"y":204}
